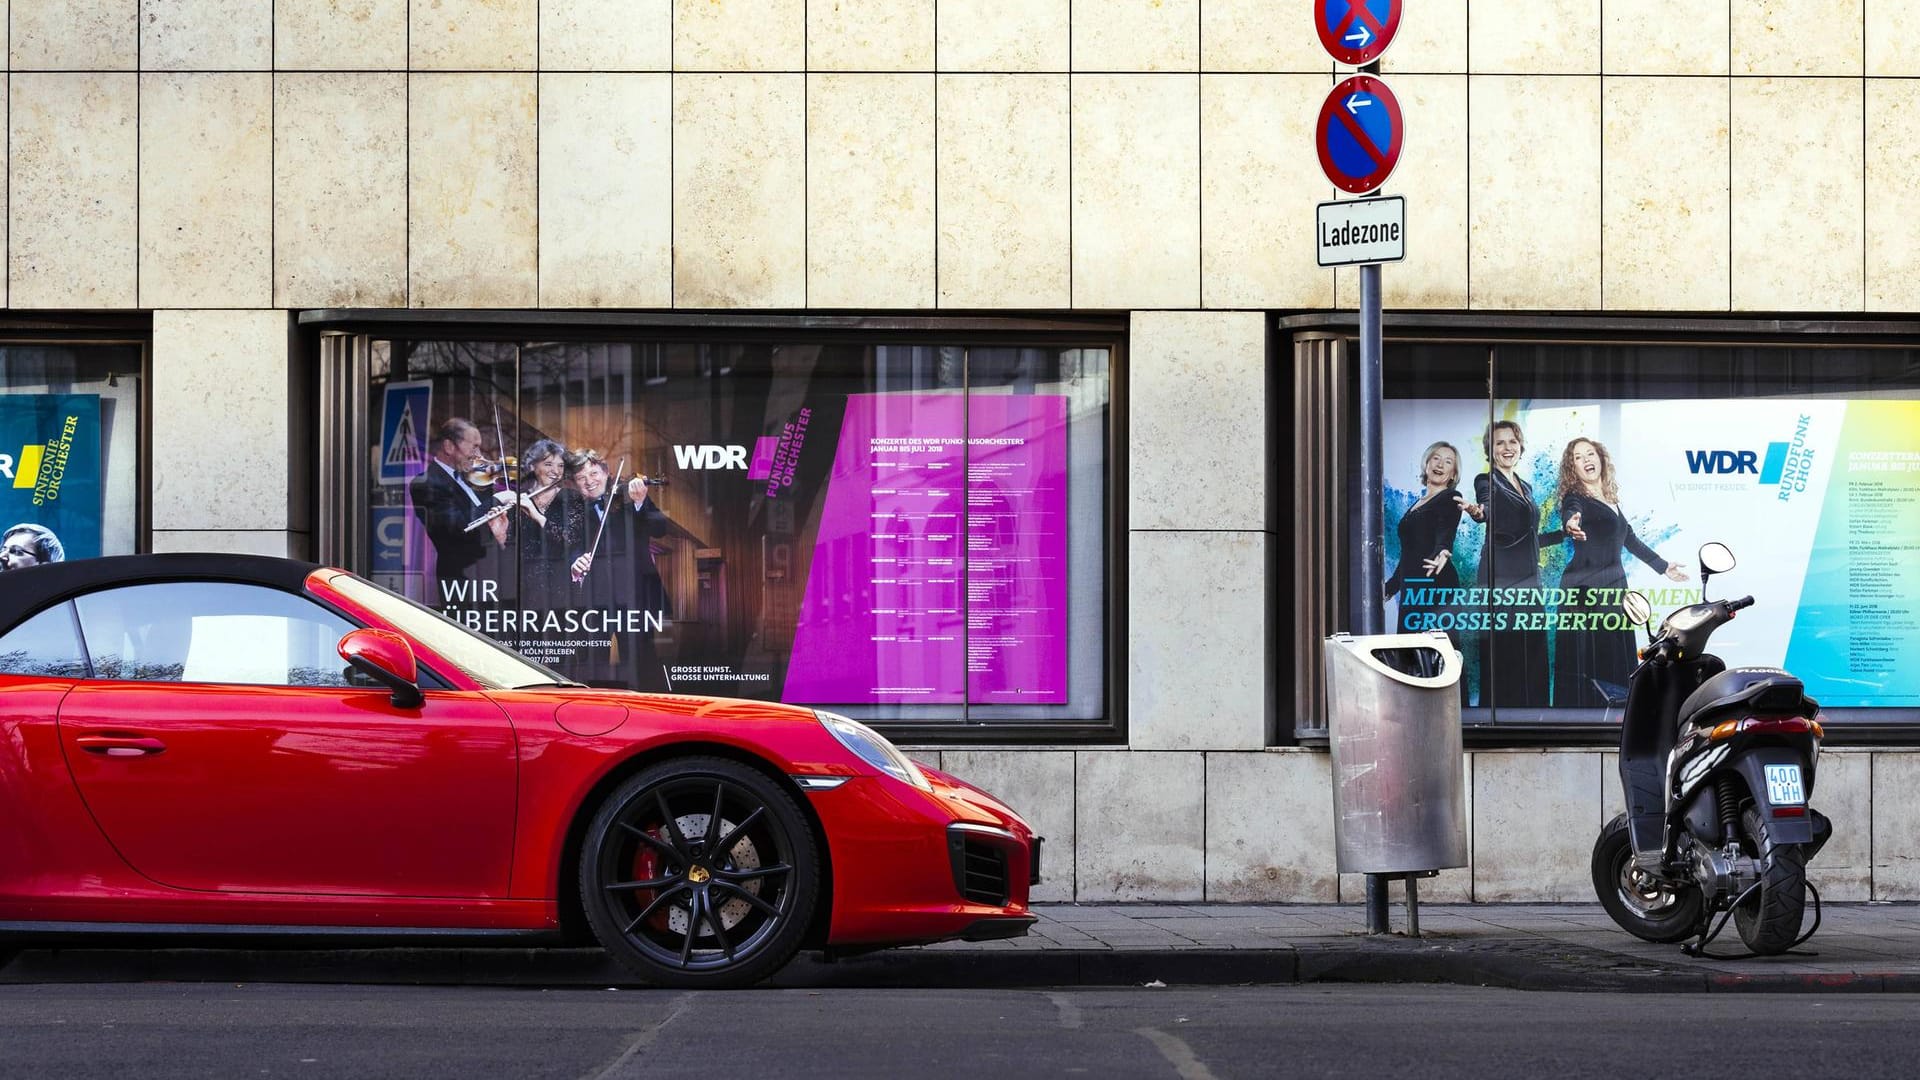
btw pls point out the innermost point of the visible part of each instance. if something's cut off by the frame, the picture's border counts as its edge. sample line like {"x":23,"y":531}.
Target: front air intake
{"x":979,"y":868}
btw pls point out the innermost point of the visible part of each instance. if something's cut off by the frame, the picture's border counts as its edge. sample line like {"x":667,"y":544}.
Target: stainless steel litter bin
{"x":1393,"y":713}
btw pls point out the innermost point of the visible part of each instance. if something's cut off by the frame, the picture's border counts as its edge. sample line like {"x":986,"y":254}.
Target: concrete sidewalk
{"x":1859,"y":948}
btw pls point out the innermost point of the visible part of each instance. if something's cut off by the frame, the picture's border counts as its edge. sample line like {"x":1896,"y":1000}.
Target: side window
{"x":46,"y":644}
{"x":212,"y":631}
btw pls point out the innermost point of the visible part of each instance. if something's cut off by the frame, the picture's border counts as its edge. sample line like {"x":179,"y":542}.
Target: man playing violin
{"x":622,"y":575}
{"x":445,"y":504}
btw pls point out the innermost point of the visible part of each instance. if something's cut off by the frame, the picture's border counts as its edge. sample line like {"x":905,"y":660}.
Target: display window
{"x":70,"y":438}
{"x":1528,"y":487}
{"x":911,"y":533}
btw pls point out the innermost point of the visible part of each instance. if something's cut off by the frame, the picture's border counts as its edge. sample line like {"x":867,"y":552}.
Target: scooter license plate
{"x":1783,"y":785}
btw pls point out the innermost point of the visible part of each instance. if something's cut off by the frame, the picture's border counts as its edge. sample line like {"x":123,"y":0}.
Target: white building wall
{"x":1102,"y":154}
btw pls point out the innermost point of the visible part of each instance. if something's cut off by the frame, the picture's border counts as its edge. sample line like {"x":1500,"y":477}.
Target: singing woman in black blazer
{"x":1514,"y":667}
{"x":1590,"y":664}
{"x":1426,"y":536}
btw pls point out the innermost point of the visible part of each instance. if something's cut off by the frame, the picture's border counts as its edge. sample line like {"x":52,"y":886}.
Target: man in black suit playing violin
{"x":445,"y":504}
{"x":626,"y":578}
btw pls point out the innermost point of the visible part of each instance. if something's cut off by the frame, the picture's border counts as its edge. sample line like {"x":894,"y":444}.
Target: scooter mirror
{"x":1639,"y":609}
{"x":1716,"y":557}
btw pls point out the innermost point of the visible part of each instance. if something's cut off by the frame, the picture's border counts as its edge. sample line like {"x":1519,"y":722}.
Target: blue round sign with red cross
{"x":1359,"y":134}
{"x":1356,"y":32}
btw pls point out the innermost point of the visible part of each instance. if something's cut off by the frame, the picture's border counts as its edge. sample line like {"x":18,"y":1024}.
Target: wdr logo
{"x":1739,"y":462}
{"x":24,"y":469}
{"x":710,"y":457}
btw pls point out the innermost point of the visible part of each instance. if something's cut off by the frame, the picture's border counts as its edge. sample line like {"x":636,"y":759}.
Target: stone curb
{"x":1847,"y":983}
{"x":1051,"y":967}
{"x":1519,"y":965}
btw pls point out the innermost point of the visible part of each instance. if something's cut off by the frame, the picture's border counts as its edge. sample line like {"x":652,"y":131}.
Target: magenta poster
{"x":939,"y":566}
{"x":906,"y":532}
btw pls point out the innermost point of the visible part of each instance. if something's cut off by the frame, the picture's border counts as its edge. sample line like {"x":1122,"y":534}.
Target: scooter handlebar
{"x":1736,"y":605}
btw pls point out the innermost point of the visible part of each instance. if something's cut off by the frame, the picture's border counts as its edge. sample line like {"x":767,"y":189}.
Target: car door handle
{"x":120,"y":745}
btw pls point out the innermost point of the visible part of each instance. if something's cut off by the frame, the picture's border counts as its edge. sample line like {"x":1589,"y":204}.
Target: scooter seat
{"x":1741,"y":692}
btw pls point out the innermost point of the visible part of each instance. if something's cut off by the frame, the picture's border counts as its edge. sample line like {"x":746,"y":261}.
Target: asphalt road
{"x":166,"y":1030}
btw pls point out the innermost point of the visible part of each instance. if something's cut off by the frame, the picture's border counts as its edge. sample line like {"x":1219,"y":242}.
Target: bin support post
{"x":1413,"y":906}
{"x":1377,"y":904}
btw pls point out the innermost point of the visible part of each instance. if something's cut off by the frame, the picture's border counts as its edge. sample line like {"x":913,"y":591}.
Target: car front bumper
{"x":911,"y":867}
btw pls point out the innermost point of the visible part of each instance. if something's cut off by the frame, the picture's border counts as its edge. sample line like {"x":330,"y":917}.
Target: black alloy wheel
{"x":700,"y":873}
{"x":1643,"y":906}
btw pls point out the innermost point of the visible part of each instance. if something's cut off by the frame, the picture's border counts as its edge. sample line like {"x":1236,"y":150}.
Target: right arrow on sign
{"x":1356,"y":32}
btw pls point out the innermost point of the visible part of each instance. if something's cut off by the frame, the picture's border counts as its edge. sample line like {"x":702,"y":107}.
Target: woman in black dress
{"x":550,"y":536}
{"x":1426,"y":541}
{"x":1591,"y":663}
{"x":1514,"y":659}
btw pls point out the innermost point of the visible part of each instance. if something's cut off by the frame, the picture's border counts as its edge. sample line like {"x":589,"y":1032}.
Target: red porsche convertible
{"x":200,"y":746}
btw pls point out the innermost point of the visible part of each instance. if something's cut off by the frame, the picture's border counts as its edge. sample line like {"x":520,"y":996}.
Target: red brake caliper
{"x":646,"y":867}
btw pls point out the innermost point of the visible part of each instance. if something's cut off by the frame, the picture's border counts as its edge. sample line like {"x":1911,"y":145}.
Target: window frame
{"x":79,"y":639}
{"x":1325,"y":351}
{"x":340,"y":340}
{"x":430,"y":678}
{"x":73,"y":604}
{"x":119,"y":331}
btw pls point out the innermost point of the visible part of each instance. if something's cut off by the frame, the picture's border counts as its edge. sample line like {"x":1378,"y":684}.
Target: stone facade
{"x":1097,"y":155}
{"x":224,"y":163}
{"x":1257,"y":826}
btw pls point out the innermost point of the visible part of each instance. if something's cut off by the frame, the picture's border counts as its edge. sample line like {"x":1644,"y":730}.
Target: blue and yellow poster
{"x":1516,"y":526}
{"x":50,"y":477}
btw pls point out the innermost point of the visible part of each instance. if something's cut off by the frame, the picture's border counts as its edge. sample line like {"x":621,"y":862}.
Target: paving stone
{"x":1872,"y":947}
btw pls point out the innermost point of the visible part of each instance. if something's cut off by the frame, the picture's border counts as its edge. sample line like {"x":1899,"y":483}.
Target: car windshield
{"x":482,"y":659}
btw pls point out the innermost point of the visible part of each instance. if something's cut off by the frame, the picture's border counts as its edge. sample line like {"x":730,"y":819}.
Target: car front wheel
{"x":700,"y":873}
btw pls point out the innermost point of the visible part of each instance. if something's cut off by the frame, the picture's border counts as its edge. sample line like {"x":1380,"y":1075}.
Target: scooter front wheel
{"x":1643,"y":906}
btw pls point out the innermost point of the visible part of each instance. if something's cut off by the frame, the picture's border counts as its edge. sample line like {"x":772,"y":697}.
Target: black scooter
{"x":1717,"y":765}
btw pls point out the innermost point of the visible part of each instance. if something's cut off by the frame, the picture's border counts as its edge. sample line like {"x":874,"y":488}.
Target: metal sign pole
{"x":1371,"y":606}
{"x":1372,"y":513}
{"x":1359,"y":136}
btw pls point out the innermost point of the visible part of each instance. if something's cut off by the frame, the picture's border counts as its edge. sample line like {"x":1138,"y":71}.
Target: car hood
{"x":687,"y":706}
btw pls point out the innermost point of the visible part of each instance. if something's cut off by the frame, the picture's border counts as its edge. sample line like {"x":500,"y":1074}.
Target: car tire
{"x":6,"y":957}
{"x":683,"y":900}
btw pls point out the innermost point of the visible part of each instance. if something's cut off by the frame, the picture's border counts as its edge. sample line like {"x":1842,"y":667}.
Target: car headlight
{"x":871,"y":747}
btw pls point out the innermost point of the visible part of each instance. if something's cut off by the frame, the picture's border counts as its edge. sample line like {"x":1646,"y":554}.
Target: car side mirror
{"x":386,"y":658}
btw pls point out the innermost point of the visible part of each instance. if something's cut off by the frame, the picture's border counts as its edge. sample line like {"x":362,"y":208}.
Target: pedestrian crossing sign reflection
{"x":403,"y":430}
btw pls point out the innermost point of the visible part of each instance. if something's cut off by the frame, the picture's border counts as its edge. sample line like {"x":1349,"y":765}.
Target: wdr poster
{"x":1518,"y":532}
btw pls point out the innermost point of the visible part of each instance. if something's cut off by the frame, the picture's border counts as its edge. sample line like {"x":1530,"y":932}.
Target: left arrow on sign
{"x":1358,"y":154}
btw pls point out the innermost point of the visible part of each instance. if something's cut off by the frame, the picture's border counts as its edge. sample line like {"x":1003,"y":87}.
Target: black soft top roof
{"x":25,"y":592}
